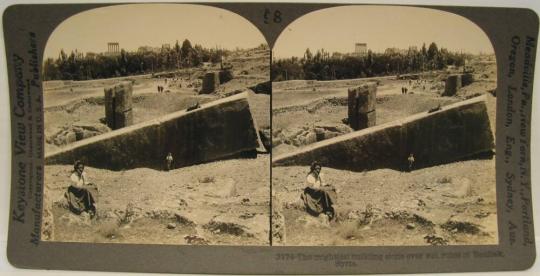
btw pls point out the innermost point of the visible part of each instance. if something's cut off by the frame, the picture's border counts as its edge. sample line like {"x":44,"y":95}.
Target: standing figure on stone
{"x":169,"y":162}
{"x":410,"y":159}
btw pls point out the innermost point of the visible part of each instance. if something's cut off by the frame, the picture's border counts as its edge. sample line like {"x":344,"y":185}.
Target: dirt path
{"x":283,"y":98}
{"x":66,"y":96}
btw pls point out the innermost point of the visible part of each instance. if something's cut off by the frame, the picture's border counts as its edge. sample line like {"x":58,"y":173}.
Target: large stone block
{"x":452,"y":85}
{"x":356,"y":151}
{"x":458,"y":131}
{"x":129,"y":147}
{"x":365,"y":120}
{"x":361,"y":103}
{"x":209,"y":133}
{"x":455,"y":132}
{"x":363,"y":98}
{"x":225,"y":76}
{"x":217,"y":130}
{"x":123,"y":119}
{"x":466,"y":79}
{"x":109,"y":107}
{"x":119,"y":105}
{"x":210,"y":83}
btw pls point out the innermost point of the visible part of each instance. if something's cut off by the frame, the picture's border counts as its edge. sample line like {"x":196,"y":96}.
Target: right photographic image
{"x":383,"y":129}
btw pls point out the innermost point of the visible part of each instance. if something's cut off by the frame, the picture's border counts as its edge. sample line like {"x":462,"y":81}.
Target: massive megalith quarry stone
{"x":456,"y":132}
{"x":210,"y":83}
{"x":217,"y":130}
{"x":361,"y":103}
{"x":119,"y":105}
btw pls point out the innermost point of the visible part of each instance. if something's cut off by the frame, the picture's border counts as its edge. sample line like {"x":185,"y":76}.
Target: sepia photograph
{"x":157,"y":127}
{"x":383,"y":129}
{"x":269,"y":137}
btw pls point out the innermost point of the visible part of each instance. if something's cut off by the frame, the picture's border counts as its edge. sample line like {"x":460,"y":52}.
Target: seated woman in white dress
{"x":318,"y":196}
{"x":79,"y":193}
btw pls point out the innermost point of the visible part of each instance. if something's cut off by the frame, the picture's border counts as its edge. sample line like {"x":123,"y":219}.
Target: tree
{"x":177,"y":54}
{"x":186,"y":47}
{"x":432,"y":51}
{"x":50,"y":70}
{"x":308,"y":56}
{"x":323,"y":66}
{"x":177,"y":47}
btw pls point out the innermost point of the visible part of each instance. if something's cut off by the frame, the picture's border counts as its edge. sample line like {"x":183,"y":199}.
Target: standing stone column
{"x":452,"y":85}
{"x":361,"y":102}
{"x":210,"y":83}
{"x":119,"y":105}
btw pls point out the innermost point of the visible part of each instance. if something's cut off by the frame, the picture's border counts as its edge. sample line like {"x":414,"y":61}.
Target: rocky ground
{"x":224,"y":202}
{"x":448,"y":204}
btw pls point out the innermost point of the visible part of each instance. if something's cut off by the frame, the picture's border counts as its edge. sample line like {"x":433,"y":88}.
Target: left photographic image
{"x":157,"y":118}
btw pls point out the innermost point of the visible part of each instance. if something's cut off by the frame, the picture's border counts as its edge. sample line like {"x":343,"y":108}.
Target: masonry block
{"x":455,"y":132}
{"x":361,"y":103}
{"x":217,"y":130}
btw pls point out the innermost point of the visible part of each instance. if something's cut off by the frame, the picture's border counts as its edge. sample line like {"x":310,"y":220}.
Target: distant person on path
{"x":318,"y":196}
{"x":404,"y":90}
{"x":79,"y":193}
{"x":168,"y":162}
{"x":410,"y":159}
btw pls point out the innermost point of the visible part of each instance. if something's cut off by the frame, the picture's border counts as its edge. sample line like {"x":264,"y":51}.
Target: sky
{"x":137,"y":25}
{"x":381,"y":27}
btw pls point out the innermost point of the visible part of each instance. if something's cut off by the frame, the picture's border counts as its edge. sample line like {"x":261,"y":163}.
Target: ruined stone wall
{"x":217,"y":130}
{"x":311,"y":106}
{"x":455,"y":132}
